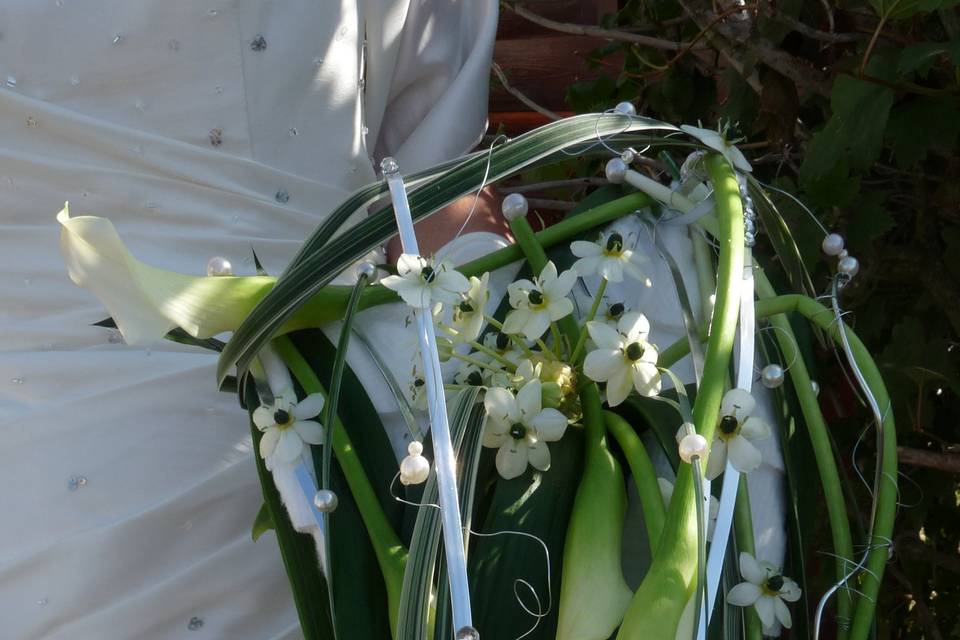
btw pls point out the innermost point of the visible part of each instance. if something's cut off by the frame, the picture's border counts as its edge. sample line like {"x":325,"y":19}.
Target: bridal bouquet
{"x":561,"y":402}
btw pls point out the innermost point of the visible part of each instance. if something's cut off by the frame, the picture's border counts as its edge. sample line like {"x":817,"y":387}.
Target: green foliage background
{"x":854,"y":107}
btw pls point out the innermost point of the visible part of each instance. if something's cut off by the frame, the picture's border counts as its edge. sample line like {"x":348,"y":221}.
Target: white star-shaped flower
{"x":423,"y":283}
{"x":536,"y":304}
{"x":766,"y":589}
{"x":468,"y":313}
{"x":609,"y":257}
{"x":521,"y":427}
{"x":623,"y":358}
{"x":735,"y":434}
{"x":718,"y":142}
{"x":286,"y":425}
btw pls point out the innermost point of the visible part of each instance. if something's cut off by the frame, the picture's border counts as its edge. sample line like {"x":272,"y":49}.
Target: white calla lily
{"x":767,"y":590}
{"x":666,"y":491}
{"x":718,"y":142}
{"x":147,"y":302}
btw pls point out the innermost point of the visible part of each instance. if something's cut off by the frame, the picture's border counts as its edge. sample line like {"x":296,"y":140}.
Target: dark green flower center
{"x":503,"y":341}
{"x":615,"y":243}
{"x":475,"y":379}
{"x":281,"y":417}
{"x":775,"y":583}
{"x":428,"y":274}
{"x":535,"y":297}
{"x":518,"y":431}
{"x":728,"y":425}
{"x":466,"y":307}
{"x":635,"y":351}
{"x":616,"y":310}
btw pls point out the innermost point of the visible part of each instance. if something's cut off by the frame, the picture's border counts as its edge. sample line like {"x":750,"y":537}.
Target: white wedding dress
{"x":128,"y":487}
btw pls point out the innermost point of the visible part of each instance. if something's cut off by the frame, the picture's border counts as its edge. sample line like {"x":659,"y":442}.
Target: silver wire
{"x":483,"y":183}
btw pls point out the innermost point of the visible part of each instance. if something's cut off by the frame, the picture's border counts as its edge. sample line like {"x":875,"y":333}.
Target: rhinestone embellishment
{"x":195,"y":623}
{"x":282,"y":196}
{"x":259,"y":43}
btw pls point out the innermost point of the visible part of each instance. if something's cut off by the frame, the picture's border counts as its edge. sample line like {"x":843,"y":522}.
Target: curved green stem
{"x":658,"y":604}
{"x":644,"y":476}
{"x":390,"y":552}
{"x":743,"y":532}
{"x":582,"y":338}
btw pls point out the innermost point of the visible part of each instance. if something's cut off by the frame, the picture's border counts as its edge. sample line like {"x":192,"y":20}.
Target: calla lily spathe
{"x":147,"y":302}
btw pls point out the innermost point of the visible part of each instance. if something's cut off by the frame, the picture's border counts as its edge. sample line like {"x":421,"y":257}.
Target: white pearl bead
{"x":415,"y":448}
{"x":626,"y":109}
{"x":219,"y":266}
{"x":849,"y":266}
{"x":772,"y":376}
{"x":832,"y":244}
{"x":468,"y":633}
{"x":693,"y":446}
{"x":628,"y":156}
{"x":414,"y":469}
{"x":616,"y":170}
{"x":367,"y":269}
{"x":815,"y":386}
{"x":514,"y":206}
{"x":326,"y":501}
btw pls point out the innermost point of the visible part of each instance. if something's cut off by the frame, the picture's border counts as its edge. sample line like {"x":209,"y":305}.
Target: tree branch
{"x":519,"y":95}
{"x":947,"y":462}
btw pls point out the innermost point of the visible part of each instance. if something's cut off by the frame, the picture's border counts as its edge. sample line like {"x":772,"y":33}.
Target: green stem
{"x":644,"y":476}
{"x":473,"y":361}
{"x":493,"y":354}
{"x":390,"y":552}
{"x":659,"y":602}
{"x":743,"y":532}
{"x":582,"y":338}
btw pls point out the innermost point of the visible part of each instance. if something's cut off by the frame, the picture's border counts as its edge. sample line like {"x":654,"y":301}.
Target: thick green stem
{"x":819,"y":315}
{"x":659,"y":602}
{"x":390,"y":552}
{"x":823,"y":452}
{"x":644,"y":476}
{"x":582,"y":338}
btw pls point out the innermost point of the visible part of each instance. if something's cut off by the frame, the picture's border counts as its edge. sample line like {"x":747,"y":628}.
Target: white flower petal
{"x":717,"y":462}
{"x":588,"y":266}
{"x":516,"y":320}
{"x":539,"y":455}
{"x":583,"y":249}
{"x":646,"y":378}
{"x":263,"y":417}
{"x":619,"y":386}
{"x":790,"y":590}
{"x":501,"y":406}
{"x":550,"y":425}
{"x":782,"y":612}
{"x":737,"y":402}
{"x":562,"y":285}
{"x":452,"y":280}
{"x":548,"y":275}
{"x":537,"y":324}
{"x":751,"y":570}
{"x":612,"y":270}
{"x":559,"y":308}
{"x":529,"y":400}
{"x":603,"y":335}
{"x":755,"y":428}
{"x":634,"y":325}
{"x":410,"y":263}
{"x":764,"y":606}
{"x":309,"y":431}
{"x":492,"y":439}
{"x":268,"y":443}
{"x":602,"y":364}
{"x":517,"y":292}
{"x":512,"y":458}
{"x":309,"y":407}
{"x":289,"y":447}
{"x":744,"y":594}
{"x":743,"y":456}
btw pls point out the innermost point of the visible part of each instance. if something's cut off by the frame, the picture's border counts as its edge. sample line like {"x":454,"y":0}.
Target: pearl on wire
{"x":366,"y":268}
{"x":626,"y":109}
{"x":414,"y":469}
{"x":772,"y":376}
{"x":514,"y":206}
{"x":693,"y":445}
{"x":628,"y":156}
{"x":219,"y":266}
{"x":616,"y":170}
{"x":326,"y":501}
{"x":832,"y":244}
{"x":468,"y":633}
{"x":849,"y":266}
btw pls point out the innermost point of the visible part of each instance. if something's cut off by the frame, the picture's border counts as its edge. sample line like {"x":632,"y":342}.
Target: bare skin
{"x":441,"y":227}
